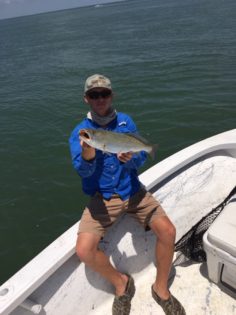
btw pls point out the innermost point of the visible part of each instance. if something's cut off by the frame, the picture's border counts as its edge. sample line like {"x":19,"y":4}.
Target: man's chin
{"x":102,"y":112}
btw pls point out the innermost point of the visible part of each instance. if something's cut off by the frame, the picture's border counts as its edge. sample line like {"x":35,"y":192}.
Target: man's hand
{"x":125,"y":157}
{"x":88,"y":153}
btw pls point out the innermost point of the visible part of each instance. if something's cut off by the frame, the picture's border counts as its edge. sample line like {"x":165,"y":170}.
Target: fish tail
{"x":153,"y":152}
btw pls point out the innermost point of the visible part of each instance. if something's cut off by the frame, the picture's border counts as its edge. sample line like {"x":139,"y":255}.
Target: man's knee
{"x":86,"y":247}
{"x":164,"y":229}
{"x":83,"y":253}
{"x":171,"y":232}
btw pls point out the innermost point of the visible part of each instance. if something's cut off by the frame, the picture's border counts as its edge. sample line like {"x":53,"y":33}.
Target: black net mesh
{"x":191,"y":244}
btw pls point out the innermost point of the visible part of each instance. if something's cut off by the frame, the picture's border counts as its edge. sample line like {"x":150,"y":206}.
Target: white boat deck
{"x":186,"y":199}
{"x":187,"y":194}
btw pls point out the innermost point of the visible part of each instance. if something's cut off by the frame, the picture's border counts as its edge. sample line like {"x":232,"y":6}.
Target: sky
{"x":13,"y":8}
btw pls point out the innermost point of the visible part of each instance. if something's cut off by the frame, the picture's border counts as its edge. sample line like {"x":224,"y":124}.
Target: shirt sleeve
{"x":83,"y":168}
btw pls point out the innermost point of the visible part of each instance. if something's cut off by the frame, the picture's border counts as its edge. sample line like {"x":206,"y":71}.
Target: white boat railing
{"x":224,"y":142}
{"x":16,"y":290}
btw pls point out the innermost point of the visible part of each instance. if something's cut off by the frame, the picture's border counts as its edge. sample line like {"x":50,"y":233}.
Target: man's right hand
{"x":88,"y":153}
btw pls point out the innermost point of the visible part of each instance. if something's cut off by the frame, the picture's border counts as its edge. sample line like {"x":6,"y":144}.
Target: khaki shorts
{"x":100,"y":214}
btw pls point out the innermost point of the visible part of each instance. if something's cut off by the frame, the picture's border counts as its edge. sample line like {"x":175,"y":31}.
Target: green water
{"x":173,"y":68}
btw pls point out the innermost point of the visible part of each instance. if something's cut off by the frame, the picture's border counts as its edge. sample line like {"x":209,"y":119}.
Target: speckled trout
{"x":114,"y":142}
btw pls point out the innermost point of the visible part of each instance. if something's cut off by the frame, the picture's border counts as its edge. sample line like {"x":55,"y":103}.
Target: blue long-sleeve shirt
{"x":106,"y":174}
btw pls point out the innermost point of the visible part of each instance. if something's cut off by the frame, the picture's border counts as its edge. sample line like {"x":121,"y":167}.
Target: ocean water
{"x":173,"y":68}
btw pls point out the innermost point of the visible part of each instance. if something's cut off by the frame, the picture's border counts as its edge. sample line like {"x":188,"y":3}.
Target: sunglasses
{"x":94,"y":95}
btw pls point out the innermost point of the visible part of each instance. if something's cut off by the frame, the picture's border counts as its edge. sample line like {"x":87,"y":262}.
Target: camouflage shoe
{"x":122,"y":304}
{"x":171,"y":306}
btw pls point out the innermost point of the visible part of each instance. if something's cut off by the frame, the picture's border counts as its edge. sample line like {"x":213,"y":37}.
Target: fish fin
{"x":153,"y":152}
{"x":104,"y":150}
{"x":108,"y":153}
{"x":138,"y":137}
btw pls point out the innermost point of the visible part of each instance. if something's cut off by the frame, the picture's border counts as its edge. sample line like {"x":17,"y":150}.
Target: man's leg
{"x":96,"y":218}
{"x":165,"y":232}
{"x":88,"y":252}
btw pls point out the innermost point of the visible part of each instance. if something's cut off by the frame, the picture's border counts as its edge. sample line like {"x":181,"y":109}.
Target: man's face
{"x":100,"y":100}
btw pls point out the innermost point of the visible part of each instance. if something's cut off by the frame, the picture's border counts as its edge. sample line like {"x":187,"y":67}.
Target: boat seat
{"x":219,"y":242}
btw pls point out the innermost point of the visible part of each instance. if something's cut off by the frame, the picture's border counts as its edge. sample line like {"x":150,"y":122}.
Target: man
{"x":112,"y":182}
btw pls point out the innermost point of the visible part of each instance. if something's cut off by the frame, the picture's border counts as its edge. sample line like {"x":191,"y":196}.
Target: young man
{"x":112,"y":182}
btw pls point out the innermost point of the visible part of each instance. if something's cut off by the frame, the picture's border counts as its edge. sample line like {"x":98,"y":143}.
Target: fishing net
{"x":190,"y":245}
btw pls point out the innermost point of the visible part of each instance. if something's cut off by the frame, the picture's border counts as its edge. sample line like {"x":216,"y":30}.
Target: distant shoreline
{"x":61,"y":9}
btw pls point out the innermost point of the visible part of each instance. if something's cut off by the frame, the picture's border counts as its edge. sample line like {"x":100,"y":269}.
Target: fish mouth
{"x":84,"y":135}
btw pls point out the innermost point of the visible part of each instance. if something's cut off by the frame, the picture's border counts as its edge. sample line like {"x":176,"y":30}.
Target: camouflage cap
{"x":97,"y":81}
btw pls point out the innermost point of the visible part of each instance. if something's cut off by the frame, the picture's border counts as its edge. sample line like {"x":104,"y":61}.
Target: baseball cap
{"x":95,"y":81}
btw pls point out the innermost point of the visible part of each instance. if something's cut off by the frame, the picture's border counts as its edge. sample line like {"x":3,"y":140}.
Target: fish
{"x":116,"y":142}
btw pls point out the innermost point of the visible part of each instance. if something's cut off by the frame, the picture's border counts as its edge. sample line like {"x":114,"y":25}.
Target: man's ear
{"x":112,"y":95}
{"x":86,"y":99}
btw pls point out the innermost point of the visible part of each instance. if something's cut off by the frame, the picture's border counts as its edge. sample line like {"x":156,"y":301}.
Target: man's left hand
{"x":125,"y":157}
